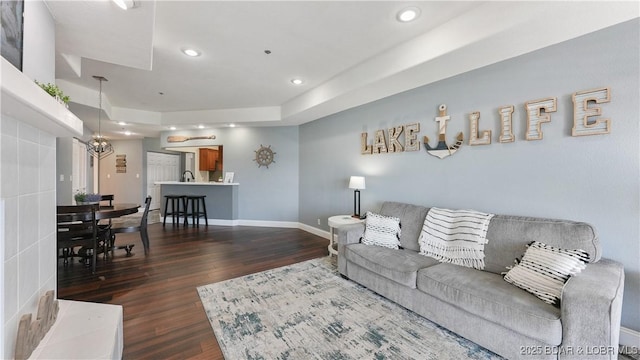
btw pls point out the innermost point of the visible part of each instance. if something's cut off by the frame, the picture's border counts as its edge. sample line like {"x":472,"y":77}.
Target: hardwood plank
{"x":163,"y":316}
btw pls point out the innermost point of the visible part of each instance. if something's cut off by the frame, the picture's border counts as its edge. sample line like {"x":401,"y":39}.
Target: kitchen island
{"x":221,"y":200}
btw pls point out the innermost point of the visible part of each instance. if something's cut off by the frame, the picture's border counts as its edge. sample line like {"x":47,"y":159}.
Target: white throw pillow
{"x":544,"y":270}
{"x":381,"y":230}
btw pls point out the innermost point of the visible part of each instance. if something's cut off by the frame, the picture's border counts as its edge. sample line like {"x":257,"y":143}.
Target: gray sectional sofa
{"x":479,"y":305}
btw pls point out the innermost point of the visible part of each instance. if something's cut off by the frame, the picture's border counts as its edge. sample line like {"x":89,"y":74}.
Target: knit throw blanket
{"x":455,"y":236}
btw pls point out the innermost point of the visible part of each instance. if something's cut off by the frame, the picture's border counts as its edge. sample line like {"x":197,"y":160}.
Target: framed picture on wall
{"x":11,"y":13}
{"x":228,"y":177}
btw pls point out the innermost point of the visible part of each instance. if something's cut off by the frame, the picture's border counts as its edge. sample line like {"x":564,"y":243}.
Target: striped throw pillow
{"x":381,"y":230}
{"x":544,"y":270}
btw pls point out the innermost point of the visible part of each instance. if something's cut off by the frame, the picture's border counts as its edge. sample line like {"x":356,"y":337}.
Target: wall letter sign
{"x":380,"y":145}
{"x":535,"y":116}
{"x":442,"y":150}
{"x":581,"y":112}
{"x":411,"y":142}
{"x":474,"y":136}
{"x":394,"y":144}
{"x":586,"y":121}
{"x":365,"y":149}
{"x":506,"y":124}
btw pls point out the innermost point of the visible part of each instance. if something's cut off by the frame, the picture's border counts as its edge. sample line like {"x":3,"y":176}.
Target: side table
{"x":336,"y":222}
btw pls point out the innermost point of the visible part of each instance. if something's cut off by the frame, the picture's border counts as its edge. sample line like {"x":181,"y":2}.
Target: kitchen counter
{"x":221,"y":198}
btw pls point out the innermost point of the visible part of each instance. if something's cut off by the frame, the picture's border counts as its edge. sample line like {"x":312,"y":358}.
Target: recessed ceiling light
{"x":200,"y":126}
{"x":122,"y":123}
{"x":125,"y":4}
{"x":232,"y":125}
{"x":296,"y":81}
{"x":172,"y":128}
{"x":127,"y":133}
{"x":408,"y":14}
{"x":191,"y":52}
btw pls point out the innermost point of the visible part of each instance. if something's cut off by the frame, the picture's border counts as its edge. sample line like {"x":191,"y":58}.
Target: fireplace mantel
{"x":23,"y":100}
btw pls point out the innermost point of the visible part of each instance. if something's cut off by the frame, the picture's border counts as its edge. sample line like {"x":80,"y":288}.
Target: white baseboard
{"x":263,"y":223}
{"x":629,"y":338}
{"x":314,"y":230}
{"x":221,"y":222}
{"x":281,"y":224}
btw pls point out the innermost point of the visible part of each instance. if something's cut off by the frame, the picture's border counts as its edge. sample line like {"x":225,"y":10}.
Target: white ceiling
{"x":347,"y":53}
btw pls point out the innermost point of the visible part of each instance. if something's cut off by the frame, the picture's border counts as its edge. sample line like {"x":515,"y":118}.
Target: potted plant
{"x":83,"y":198}
{"x":54,"y":90}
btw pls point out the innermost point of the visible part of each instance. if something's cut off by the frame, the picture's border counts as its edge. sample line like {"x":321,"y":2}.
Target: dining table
{"x":104,"y":216}
{"x":116,"y":210}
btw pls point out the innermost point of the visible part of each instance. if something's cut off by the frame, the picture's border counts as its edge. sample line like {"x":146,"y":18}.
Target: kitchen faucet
{"x":184,"y":175}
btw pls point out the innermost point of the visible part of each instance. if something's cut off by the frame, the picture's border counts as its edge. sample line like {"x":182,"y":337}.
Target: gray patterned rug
{"x":307,"y":311}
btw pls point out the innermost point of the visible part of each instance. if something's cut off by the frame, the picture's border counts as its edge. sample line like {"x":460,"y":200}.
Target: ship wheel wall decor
{"x":264,"y":156}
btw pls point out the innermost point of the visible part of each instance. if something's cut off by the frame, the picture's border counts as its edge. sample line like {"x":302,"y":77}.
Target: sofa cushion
{"x":381,"y":230}
{"x":543,"y":270}
{"x":488,"y":296}
{"x":399,"y":265}
{"x":411,"y":220}
{"x":508,"y":237}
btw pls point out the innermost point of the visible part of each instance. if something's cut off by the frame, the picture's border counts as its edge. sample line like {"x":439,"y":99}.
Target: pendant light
{"x":99,"y":146}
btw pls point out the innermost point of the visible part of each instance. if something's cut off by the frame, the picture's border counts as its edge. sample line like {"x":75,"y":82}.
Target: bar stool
{"x":174,"y":201}
{"x":196,"y":213}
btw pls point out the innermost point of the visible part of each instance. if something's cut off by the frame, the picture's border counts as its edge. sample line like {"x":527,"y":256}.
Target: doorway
{"x":160,"y":167}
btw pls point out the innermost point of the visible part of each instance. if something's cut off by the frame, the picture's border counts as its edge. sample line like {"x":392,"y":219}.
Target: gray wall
{"x":269,"y":194}
{"x":64,"y":168}
{"x":126,"y":187}
{"x":593,"y":178}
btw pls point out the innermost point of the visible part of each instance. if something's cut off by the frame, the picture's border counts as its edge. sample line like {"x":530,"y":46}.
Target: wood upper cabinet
{"x":210,"y":159}
{"x":219,"y":158}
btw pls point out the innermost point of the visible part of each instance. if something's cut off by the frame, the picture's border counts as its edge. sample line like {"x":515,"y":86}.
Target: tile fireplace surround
{"x":29,"y":124}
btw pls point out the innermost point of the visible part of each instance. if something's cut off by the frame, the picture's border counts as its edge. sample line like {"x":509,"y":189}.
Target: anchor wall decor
{"x":587,"y":120}
{"x":442,"y":150}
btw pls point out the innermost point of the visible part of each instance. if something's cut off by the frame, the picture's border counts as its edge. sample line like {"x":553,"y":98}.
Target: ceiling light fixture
{"x":200,"y":126}
{"x":408,"y":14}
{"x":191,"y":52}
{"x":296,"y":81}
{"x":127,"y":133}
{"x":99,"y":146}
{"x":125,"y":4}
{"x":232,"y":125}
{"x":122,"y":123}
{"x":172,"y":128}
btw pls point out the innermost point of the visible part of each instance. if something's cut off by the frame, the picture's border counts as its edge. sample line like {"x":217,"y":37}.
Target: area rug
{"x":307,"y":311}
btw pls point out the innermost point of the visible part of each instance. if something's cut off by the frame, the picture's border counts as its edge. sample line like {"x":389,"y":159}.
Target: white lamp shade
{"x":357,"y":182}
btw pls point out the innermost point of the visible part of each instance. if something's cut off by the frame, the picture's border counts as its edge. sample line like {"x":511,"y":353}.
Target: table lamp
{"x":357,"y":183}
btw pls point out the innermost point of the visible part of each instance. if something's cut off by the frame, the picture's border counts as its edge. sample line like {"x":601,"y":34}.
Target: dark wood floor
{"x":163,"y":316}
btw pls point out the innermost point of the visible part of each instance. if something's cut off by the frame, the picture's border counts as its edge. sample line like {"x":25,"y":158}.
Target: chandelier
{"x":99,"y":146}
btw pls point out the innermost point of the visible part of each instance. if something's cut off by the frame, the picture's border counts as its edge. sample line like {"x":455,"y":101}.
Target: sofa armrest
{"x":591,"y":307}
{"x":348,"y":234}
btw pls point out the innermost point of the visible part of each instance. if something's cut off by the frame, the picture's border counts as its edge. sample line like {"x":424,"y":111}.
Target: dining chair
{"x":108,"y":198}
{"x":77,"y":226}
{"x":142,"y":228}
